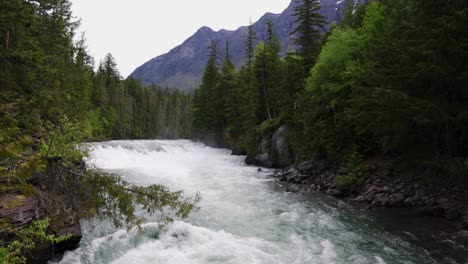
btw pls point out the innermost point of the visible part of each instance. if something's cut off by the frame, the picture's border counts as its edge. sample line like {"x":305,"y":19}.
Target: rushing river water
{"x":245,"y":217}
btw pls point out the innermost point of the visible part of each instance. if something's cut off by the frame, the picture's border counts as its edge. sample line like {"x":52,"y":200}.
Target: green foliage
{"x":61,"y":139}
{"x":308,"y":22}
{"x":51,"y":100}
{"x":209,"y":101}
{"x":3,"y":255}
{"x":335,"y":68}
{"x":26,"y":239}
{"x":269,"y":125}
{"x":110,"y":197}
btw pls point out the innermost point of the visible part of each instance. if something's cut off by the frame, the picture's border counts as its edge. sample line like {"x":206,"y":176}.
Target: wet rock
{"x":294,"y":188}
{"x":463,"y":234}
{"x":386,"y":201}
{"x":42,"y":253}
{"x":280,"y":147}
{"x":73,"y":242}
{"x":464,"y":224}
{"x":438,"y":211}
{"x":408,"y":202}
{"x":373,"y":189}
{"x":453,"y":214}
{"x":398,"y":198}
{"x":334,"y":192}
{"x":442,"y":201}
{"x":429,"y":201}
{"x":359,"y":199}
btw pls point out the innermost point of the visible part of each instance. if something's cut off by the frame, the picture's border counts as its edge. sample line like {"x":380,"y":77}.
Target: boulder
{"x":463,"y":234}
{"x":280,"y":147}
{"x":73,"y":242}
{"x":18,"y":209}
{"x":453,"y":214}
{"x":334,"y":192}
{"x":398,"y":198}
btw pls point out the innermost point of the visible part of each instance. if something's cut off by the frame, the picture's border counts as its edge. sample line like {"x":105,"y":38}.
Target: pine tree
{"x":308,"y":23}
{"x":250,"y":48}
{"x":209,"y":109}
{"x":229,"y":92}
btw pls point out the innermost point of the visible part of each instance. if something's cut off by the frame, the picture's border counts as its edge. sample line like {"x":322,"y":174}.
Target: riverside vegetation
{"x":375,"y":109}
{"x":51,"y":100}
{"x":388,"y":81}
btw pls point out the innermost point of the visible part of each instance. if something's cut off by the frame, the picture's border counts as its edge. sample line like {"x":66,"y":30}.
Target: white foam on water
{"x":245,"y":217}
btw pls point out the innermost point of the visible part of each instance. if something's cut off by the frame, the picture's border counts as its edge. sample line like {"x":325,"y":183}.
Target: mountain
{"x":183,"y":66}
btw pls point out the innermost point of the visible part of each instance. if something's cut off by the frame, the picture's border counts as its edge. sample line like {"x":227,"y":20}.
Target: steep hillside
{"x":183,"y":66}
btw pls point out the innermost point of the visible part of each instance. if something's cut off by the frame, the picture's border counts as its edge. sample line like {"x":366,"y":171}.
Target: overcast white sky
{"x":139,"y":30}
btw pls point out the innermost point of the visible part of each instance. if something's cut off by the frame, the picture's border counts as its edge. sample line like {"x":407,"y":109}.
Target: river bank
{"x":376,"y":183}
{"x":46,"y":198}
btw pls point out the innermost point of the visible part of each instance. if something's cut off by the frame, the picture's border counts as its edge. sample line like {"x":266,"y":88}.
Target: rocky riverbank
{"x":381,"y":187}
{"x":377,"y":183}
{"x":47,"y":199}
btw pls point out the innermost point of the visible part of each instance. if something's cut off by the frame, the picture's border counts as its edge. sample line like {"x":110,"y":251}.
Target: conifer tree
{"x":308,"y":23}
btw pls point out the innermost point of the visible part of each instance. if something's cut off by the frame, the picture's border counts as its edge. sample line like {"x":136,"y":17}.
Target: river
{"x":245,"y":216}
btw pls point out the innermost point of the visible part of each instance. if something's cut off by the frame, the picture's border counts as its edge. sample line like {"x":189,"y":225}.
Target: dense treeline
{"x":122,"y":109}
{"x":51,"y":99}
{"x":390,"y":79}
{"x":47,"y":79}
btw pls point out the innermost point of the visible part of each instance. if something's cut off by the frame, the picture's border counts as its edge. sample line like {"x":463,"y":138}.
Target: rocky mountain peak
{"x":183,"y":66}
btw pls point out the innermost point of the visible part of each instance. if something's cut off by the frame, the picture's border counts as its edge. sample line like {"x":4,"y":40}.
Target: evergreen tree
{"x":308,"y":23}
{"x":209,"y":106}
{"x":250,"y":46}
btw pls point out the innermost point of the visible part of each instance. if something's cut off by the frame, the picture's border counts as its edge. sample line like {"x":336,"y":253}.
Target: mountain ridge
{"x":182,"y":67}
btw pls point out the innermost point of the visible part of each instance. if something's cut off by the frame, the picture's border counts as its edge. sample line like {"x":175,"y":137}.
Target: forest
{"x":390,"y":79}
{"x":51,"y":101}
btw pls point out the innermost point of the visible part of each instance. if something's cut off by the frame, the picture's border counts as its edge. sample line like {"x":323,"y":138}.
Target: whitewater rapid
{"x":245,"y":216}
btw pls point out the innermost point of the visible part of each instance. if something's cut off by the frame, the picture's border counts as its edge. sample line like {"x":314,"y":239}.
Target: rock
{"x":373,"y":189}
{"x":416,"y":196}
{"x":73,"y":242}
{"x":18,"y":209}
{"x":408,"y":202}
{"x":453,"y":214}
{"x":430,"y":202}
{"x":379,"y":198}
{"x":306,"y":167}
{"x":400,"y":186}
{"x":464,"y":224}
{"x":42,"y":253}
{"x":280,"y":147}
{"x":442,"y":201}
{"x":438,"y":211}
{"x":463,"y":234}
{"x":385,"y":201}
{"x":334,"y":192}
{"x":398,"y":198}
{"x":387,"y":189}
{"x":359,"y":199}
{"x":294,"y":188}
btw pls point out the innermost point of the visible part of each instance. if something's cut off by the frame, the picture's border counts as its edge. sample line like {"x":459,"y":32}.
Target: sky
{"x":139,"y":30}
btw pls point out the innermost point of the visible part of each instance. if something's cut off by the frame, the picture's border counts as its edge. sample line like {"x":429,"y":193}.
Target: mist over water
{"x":245,"y":216}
